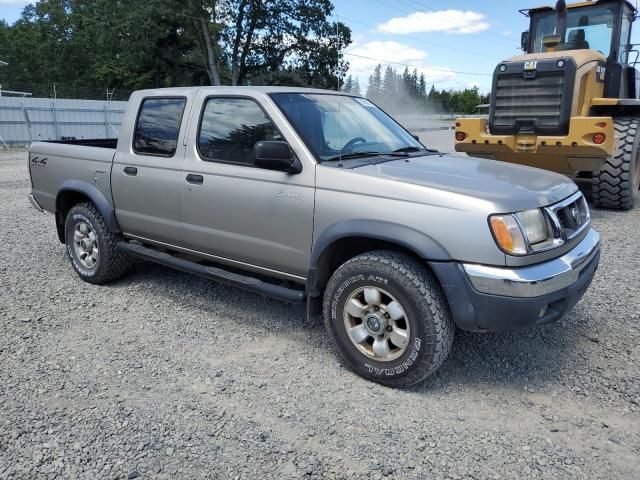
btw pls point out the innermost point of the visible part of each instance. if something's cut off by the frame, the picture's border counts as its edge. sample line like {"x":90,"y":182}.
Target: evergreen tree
{"x":356,"y":87}
{"x":413,"y":79}
{"x":374,"y":89}
{"x":389,"y":83}
{"x":348,"y":85}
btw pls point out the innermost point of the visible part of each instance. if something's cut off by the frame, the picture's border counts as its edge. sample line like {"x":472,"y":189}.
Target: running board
{"x":213,"y":273}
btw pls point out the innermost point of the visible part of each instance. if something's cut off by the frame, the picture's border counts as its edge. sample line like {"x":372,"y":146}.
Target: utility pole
{"x":338,"y":49}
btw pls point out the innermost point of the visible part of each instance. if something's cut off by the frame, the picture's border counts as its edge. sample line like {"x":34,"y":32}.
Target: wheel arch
{"x":344,"y":240}
{"x":73,"y":192}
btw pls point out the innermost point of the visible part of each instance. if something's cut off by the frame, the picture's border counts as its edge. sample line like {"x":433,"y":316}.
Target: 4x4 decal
{"x":37,"y":161}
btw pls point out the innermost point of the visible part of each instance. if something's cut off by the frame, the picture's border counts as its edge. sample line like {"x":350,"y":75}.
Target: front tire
{"x":389,"y":318}
{"x":617,"y":185}
{"x":91,"y":246}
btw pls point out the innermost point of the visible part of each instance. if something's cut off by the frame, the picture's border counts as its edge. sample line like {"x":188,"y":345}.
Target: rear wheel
{"x":617,"y":185}
{"x":389,"y":318}
{"x":91,"y":246}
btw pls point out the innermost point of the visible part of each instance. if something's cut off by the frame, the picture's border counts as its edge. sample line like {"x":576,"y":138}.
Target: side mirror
{"x":416,"y":137}
{"x":275,"y":155}
{"x":524,"y":41}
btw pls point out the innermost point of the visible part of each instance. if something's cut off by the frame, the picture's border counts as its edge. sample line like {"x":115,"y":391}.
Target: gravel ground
{"x":165,"y":375}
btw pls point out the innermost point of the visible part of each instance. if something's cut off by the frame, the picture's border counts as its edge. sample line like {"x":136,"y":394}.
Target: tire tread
{"x":431,"y":297}
{"x":613,"y":185}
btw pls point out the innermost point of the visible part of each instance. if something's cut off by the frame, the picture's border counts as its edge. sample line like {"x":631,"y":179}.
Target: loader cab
{"x":603,"y":26}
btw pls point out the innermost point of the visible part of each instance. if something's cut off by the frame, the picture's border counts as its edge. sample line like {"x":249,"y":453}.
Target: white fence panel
{"x":23,"y":120}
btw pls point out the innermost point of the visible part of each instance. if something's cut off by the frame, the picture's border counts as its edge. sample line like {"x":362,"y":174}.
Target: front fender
{"x":413,"y":240}
{"x":417,"y":242}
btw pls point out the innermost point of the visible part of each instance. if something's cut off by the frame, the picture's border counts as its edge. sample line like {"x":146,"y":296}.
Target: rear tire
{"x":399,"y":299}
{"x":91,"y":246}
{"x":617,"y":185}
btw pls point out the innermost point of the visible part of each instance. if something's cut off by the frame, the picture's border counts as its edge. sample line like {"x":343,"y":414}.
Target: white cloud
{"x":15,"y":2}
{"x":449,"y":21}
{"x":363,"y":58}
{"x":507,"y":33}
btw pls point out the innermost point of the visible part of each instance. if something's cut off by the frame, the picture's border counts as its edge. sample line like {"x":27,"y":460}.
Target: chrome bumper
{"x":536,"y":280}
{"x":35,"y":203}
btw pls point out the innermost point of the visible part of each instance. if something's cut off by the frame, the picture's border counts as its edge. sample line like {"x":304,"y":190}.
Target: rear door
{"x":243,"y":215}
{"x":146,"y":173}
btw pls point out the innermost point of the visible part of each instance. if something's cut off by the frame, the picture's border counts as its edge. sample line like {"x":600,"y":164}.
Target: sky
{"x":456,"y":43}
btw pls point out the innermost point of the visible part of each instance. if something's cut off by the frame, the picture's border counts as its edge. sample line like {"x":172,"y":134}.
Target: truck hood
{"x":507,"y":187}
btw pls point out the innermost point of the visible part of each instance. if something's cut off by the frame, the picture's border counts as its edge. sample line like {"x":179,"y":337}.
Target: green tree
{"x":127,"y":45}
{"x":356,"y":87}
{"x":348,"y":85}
{"x":374,"y":89}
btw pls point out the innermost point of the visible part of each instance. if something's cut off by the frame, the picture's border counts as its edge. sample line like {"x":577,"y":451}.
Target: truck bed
{"x":52,"y":163}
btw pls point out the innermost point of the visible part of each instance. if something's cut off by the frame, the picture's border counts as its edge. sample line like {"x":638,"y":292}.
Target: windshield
{"x":336,"y":125}
{"x":588,"y":27}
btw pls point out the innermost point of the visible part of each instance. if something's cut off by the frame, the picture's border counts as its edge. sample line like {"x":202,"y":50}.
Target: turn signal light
{"x":601,"y":124}
{"x":460,"y":136}
{"x":599,"y":138}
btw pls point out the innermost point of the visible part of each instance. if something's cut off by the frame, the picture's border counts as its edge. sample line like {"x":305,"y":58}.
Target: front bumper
{"x":499,"y":299}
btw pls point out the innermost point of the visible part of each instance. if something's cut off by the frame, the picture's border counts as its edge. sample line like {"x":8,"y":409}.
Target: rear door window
{"x":158,"y":126}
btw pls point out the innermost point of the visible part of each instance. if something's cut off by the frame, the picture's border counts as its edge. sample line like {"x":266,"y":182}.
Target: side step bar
{"x":212,"y":273}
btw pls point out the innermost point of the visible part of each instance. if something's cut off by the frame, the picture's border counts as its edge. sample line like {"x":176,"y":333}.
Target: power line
{"x":446,"y":70}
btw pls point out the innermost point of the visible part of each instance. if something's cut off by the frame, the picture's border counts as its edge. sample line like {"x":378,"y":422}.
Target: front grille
{"x":532,"y":102}
{"x":570,"y":217}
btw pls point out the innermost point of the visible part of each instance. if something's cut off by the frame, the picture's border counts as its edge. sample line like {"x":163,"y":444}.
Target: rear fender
{"x":94,"y":195}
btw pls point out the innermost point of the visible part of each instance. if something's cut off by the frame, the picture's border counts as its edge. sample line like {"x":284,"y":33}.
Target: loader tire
{"x":617,"y":185}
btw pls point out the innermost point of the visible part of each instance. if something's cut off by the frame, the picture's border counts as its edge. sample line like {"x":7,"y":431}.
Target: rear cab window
{"x":158,"y":126}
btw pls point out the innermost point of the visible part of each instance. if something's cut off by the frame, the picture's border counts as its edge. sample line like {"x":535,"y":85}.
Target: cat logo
{"x":531,"y":65}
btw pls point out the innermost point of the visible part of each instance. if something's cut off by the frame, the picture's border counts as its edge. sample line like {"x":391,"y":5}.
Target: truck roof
{"x":239,"y":90}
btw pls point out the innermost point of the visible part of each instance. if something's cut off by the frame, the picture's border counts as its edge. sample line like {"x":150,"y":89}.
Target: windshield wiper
{"x":349,"y":156}
{"x":415,"y":149}
{"x":409,"y":150}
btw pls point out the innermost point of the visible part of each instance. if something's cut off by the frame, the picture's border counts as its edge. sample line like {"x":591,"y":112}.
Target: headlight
{"x":520,"y":233}
{"x":535,"y":226}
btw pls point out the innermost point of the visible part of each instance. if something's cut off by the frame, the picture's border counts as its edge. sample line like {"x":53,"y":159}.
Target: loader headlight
{"x":520,"y":233}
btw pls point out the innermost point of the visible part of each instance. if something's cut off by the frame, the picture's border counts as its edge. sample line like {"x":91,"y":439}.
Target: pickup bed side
{"x":66,"y":173}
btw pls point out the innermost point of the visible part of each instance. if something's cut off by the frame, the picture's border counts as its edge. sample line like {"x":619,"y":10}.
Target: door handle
{"x":195,"y":179}
{"x":133,"y":171}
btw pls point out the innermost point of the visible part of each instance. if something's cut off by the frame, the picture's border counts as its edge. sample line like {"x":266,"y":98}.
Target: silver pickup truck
{"x":320,"y":197}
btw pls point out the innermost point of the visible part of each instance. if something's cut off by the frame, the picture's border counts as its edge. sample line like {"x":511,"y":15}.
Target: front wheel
{"x":389,"y":318}
{"x":91,"y":246}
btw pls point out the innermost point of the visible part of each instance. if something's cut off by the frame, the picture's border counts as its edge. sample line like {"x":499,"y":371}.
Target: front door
{"x":241,"y":214}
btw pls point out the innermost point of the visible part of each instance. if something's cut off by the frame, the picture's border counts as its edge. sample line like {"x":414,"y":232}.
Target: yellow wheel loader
{"x":570,"y":104}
